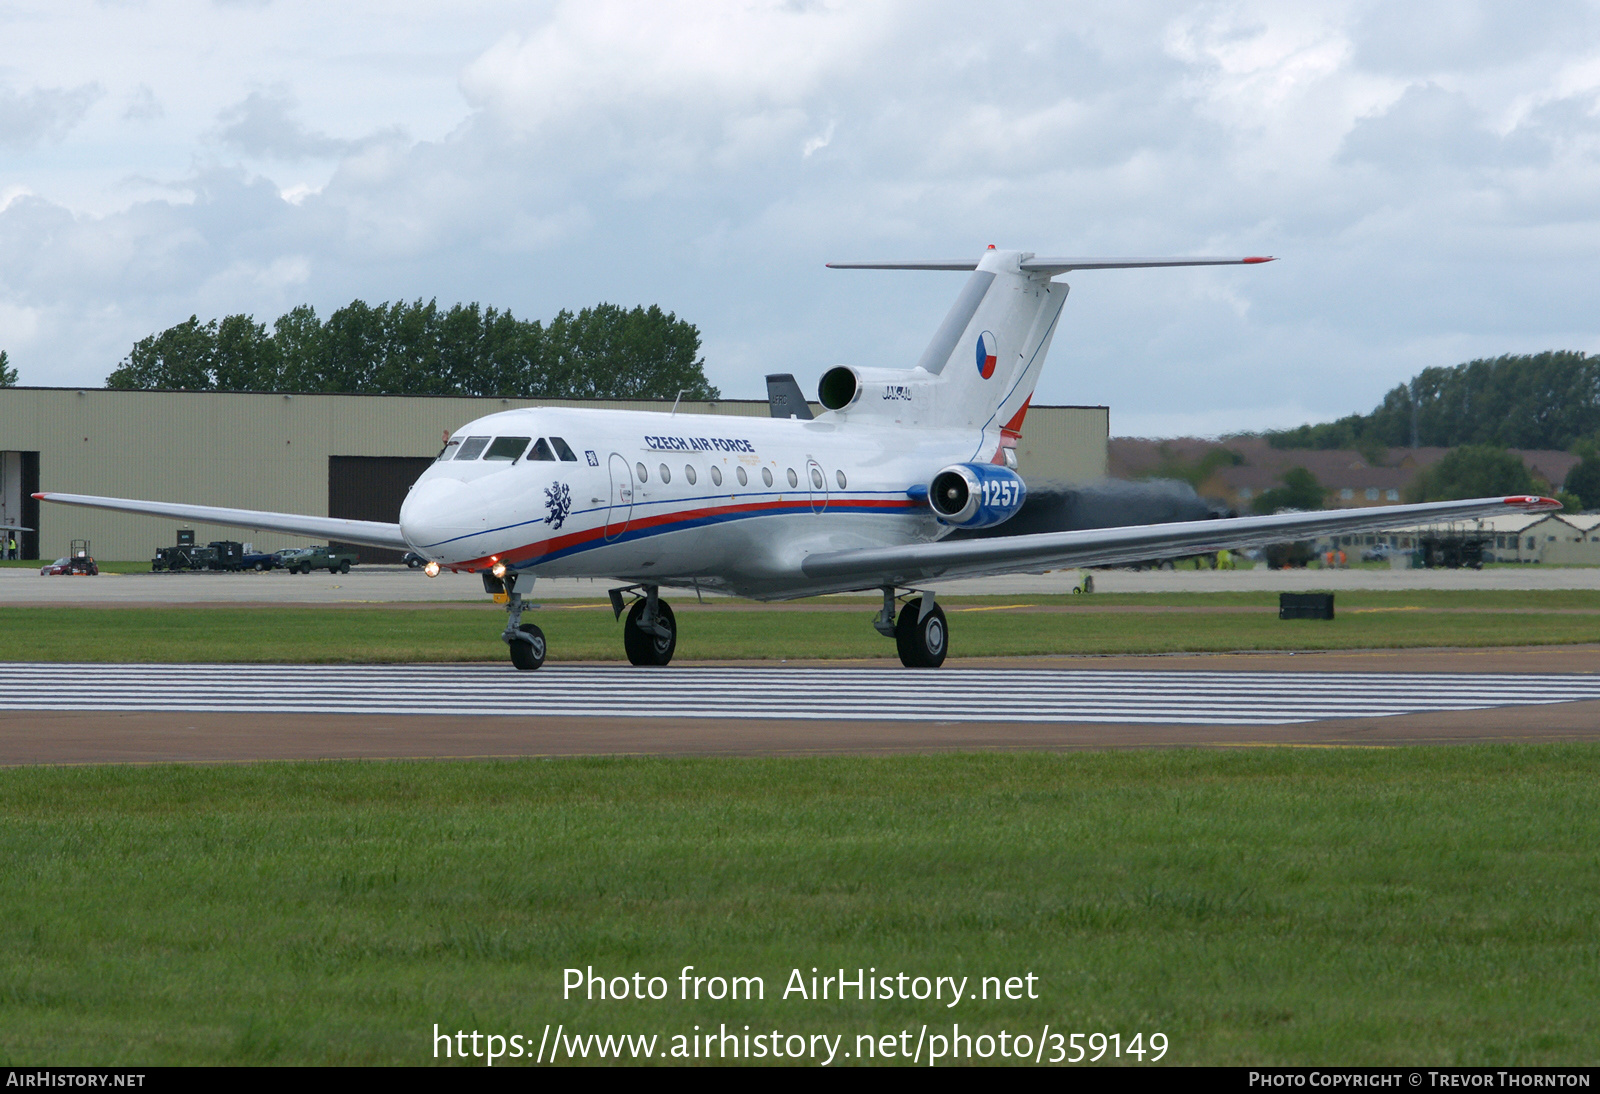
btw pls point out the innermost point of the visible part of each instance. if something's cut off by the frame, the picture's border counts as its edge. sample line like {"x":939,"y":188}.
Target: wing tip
{"x":41,"y":497}
{"x":1533,"y":503}
{"x":1254,"y":259}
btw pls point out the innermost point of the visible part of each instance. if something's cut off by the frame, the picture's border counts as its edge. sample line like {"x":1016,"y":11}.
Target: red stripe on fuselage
{"x":661,"y":520}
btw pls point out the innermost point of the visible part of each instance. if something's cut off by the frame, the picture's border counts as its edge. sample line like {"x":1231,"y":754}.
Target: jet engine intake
{"x":839,"y":388}
{"x":976,"y":495}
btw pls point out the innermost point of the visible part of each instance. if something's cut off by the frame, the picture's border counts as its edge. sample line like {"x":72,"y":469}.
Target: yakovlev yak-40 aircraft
{"x":860,"y":497}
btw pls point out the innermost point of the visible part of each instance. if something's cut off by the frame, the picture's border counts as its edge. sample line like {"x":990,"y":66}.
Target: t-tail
{"x":980,"y":369}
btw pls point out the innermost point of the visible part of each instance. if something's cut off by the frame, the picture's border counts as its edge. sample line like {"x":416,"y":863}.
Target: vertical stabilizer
{"x":990,"y":349}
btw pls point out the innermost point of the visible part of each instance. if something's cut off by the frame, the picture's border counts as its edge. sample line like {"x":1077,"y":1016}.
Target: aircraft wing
{"x":371,"y":533}
{"x":915,"y":562}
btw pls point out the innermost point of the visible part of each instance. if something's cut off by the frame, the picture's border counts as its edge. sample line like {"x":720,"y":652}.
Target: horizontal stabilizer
{"x":1035,"y":264}
{"x":369,"y":533}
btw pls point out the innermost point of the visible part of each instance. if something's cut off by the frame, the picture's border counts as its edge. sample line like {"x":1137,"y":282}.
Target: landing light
{"x":431,"y":569}
{"x":498,"y":569}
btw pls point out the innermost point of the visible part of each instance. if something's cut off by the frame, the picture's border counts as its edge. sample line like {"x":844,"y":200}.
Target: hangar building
{"x":340,"y":455}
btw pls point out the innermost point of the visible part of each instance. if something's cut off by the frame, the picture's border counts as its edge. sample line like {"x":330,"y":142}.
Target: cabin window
{"x":816,"y":478}
{"x":1372,"y":493}
{"x":839,"y":475}
{"x":448,"y":450}
{"x":1391,"y":495}
{"x":794,"y":480}
{"x":509,"y":448}
{"x":472,"y":448}
{"x":688,"y":473}
{"x":766,"y":475}
{"x":1346,"y":494}
{"x":716,"y":475}
{"x":644,"y":476}
{"x":744,"y":480}
{"x":666,"y":473}
{"x":566,"y":454}
{"x":542,"y":451}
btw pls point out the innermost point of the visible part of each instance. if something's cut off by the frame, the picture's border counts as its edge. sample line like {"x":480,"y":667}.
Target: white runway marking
{"x":858,"y":694}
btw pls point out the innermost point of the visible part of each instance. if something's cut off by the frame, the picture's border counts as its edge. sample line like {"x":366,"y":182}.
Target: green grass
{"x":980,"y":626}
{"x":1419,"y":905}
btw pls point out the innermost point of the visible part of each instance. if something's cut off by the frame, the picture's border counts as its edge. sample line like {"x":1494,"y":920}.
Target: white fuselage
{"x":728,"y":503}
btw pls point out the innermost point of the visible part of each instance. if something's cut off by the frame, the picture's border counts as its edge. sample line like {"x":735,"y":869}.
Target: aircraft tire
{"x":643,"y":647}
{"x":529,"y":655}
{"x":922,"y":643}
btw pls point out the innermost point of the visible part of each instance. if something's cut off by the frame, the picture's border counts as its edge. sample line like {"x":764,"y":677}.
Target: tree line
{"x":1538,"y":400}
{"x":603,"y":352}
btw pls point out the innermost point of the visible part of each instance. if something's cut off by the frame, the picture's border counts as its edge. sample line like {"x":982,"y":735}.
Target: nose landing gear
{"x":525,"y":640}
{"x":650,"y":635}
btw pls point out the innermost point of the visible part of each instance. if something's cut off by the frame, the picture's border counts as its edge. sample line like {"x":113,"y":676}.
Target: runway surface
{"x":100,"y":713}
{"x":850,"y":694}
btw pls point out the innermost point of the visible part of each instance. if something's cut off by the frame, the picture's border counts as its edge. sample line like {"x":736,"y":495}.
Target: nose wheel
{"x":524,"y":640}
{"x":527,"y":652}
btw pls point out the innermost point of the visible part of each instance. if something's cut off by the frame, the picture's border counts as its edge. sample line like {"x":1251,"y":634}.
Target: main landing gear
{"x":921,"y":634}
{"x":651,"y":633}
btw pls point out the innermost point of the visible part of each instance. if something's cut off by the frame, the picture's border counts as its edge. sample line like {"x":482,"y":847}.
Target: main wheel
{"x":922,"y":642}
{"x":529,"y":654}
{"x":645,"y":647}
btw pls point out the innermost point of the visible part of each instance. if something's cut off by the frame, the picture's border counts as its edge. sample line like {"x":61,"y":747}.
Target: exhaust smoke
{"x":1108,"y":503}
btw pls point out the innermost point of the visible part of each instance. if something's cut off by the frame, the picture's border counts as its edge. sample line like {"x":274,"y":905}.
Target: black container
{"x":1305,"y":605}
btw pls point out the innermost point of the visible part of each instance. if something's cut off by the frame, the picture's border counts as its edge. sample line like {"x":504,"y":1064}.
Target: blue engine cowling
{"x":976,"y":495}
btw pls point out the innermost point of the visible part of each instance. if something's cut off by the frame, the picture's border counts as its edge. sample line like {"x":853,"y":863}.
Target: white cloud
{"x":43,"y":113}
{"x":1435,"y":195}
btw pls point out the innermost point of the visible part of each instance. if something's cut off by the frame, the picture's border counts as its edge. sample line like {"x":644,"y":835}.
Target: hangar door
{"x":19,"y":481}
{"x":371,"y":488}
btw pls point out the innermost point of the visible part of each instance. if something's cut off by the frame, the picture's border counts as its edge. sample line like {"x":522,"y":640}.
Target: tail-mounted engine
{"x":976,"y":495}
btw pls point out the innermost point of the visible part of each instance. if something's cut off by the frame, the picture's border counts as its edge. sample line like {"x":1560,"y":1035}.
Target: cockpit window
{"x":566,"y":454}
{"x":472,"y":448}
{"x":448,"y":450}
{"x":541,"y":450}
{"x":506,"y":448}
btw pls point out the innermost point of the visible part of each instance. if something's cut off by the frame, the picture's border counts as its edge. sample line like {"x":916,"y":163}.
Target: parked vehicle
{"x":172,"y":558}
{"x":1378,"y":552}
{"x":227,"y":554}
{"x":1285,"y":556}
{"x":259,"y":560}
{"x":78,"y":561}
{"x":81,"y":565}
{"x":414,"y":560}
{"x":306,"y":559}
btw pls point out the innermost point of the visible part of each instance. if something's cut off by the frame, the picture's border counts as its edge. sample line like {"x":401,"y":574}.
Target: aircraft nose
{"x":432,"y":515}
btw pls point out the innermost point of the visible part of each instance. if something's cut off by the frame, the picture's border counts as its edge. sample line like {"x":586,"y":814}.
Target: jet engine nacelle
{"x":976,"y":495}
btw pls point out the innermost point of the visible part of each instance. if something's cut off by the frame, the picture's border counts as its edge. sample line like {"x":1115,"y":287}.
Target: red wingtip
{"x":1534,"y":502}
{"x":1259,"y":258}
{"x":38,"y":497}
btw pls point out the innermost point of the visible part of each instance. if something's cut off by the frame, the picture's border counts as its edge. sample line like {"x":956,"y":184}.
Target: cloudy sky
{"x":1429,"y":174}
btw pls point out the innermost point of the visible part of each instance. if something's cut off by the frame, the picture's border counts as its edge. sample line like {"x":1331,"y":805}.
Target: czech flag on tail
{"x":986,"y":355}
